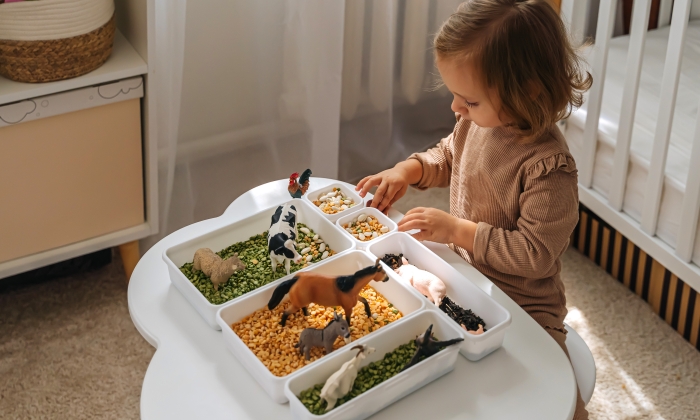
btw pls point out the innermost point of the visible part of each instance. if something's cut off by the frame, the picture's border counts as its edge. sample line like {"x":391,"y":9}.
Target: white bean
{"x":374,"y":234}
{"x":332,"y":194}
{"x":319,"y":241}
{"x":343,"y":207}
{"x":335,"y":208}
{"x":322,"y":247}
{"x":350,"y":230}
{"x":348,"y":202}
{"x":315,"y":237}
{"x":309,"y":258}
{"x":384,"y":229}
{"x":325,"y":255}
{"x":369,"y":219}
{"x":305,"y":230}
{"x":305,"y":250}
{"x":362,"y":218}
{"x":361,"y":236}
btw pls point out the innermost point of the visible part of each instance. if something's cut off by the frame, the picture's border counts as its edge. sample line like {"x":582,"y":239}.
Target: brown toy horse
{"x":344,"y":291}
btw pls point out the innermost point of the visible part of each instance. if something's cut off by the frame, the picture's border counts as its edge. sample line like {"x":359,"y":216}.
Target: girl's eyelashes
{"x":470,"y":104}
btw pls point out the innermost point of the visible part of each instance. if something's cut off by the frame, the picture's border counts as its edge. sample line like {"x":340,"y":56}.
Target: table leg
{"x":130,"y":256}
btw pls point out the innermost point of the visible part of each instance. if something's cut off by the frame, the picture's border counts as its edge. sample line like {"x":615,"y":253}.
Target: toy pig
{"x":426,"y":283}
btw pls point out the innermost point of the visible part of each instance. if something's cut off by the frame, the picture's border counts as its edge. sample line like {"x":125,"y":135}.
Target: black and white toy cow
{"x":282,"y":236}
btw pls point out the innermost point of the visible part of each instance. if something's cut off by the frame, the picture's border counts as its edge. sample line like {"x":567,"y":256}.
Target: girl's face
{"x":473,"y":100}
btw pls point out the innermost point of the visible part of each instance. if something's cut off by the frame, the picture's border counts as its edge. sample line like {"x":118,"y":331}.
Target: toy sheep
{"x":217,"y":269}
{"x":340,"y":382}
{"x":426,"y":283}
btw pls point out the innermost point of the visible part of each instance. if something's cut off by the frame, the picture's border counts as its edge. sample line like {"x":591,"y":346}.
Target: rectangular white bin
{"x":459,"y":289}
{"x":405,"y":301}
{"x":370,"y":211}
{"x":311,"y":196}
{"x":390,"y":391}
{"x":218,"y":239}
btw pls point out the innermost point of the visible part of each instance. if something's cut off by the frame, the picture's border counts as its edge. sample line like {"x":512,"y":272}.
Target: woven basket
{"x":57,"y":59}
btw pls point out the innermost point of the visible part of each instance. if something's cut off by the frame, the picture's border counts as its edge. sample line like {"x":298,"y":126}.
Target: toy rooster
{"x":299,"y":184}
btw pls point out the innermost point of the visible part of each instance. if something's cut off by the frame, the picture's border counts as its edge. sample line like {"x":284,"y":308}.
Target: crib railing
{"x":677,"y":12}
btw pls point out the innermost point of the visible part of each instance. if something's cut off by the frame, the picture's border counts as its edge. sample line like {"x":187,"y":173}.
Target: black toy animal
{"x":427,"y":346}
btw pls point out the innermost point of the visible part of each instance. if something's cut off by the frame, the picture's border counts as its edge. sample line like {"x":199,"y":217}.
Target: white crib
{"x":637,"y":139}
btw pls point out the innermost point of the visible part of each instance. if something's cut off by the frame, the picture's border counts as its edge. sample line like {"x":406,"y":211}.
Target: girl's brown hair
{"x":522,"y":50}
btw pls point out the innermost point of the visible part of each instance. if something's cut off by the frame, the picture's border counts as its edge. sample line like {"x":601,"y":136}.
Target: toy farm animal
{"x":341,"y":382}
{"x":217,"y":269}
{"x":281,"y":237}
{"x":325,"y":290}
{"x":427,"y":346}
{"x":426,"y":283}
{"x":298,"y":188}
{"x":312,"y":337}
{"x":393,"y":261}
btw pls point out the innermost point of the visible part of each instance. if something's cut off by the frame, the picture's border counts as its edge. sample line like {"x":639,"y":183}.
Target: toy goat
{"x":312,"y":337}
{"x":426,"y":283}
{"x":218,"y":270}
{"x":341,"y":382}
{"x":428,"y":346}
{"x":282,"y":236}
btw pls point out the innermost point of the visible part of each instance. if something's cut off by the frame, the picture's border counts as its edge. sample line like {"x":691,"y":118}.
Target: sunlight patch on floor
{"x":621,"y":397}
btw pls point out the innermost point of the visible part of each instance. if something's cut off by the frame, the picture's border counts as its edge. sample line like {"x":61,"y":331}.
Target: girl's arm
{"x":548,"y":216}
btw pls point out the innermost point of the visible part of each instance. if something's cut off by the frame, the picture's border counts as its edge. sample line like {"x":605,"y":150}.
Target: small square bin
{"x":218,"y":239}
{"x":349,"y":192}
{"x":459,"y":289}
{"x":370,"y":211}
{"x":393,"y":389}
{"x":347,"y":263}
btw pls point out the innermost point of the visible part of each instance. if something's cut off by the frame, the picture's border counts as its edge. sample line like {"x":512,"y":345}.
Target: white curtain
{"x":249,"y":92}
{"x":389,"y":107}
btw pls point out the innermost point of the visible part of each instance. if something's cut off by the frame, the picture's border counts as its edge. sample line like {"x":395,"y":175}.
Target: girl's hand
{"x":391,"y":184}
{"x":437,"y":226}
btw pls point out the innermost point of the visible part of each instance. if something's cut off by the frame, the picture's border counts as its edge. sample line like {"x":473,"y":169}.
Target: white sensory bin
{"x":396,"y":293}
{"x":462,"y":291}
{"x":314,"y":195}
{"x":374,"y":213}
{"x":383,"y":341}
{"x":242,"y":230}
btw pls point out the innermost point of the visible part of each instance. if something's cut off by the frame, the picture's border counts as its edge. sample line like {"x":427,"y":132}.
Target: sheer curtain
{"x":249,"y":92}
{"x":389,"y":107}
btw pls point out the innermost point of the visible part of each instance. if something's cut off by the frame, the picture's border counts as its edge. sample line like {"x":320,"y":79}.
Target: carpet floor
{"x":68,"y":348}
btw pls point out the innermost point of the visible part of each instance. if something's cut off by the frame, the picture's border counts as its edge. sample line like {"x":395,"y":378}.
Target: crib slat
{"x":691,"y":201}
{"x":667,"y":105}
{"x":665,"y":13}
{"x":606,"y":20}
{"x":638,"y":33}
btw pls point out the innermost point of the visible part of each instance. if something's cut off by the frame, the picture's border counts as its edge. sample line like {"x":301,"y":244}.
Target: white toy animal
{"x":426,"y":283}
{"x":340,"y":382}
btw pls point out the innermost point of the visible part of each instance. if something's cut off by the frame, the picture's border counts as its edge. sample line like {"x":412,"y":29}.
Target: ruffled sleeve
{"x":548,"y":215}
{"x":557,"y":162}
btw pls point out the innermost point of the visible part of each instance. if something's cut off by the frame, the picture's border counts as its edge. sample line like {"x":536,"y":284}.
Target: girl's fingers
{"x":413,"y":224}
{"x":415,"y":210}
{"x":369,"y":183}
{"x":379,"y":196}
{"x":423,"y":235}
{"x":408,"y":218}
{"x":359,"y":185}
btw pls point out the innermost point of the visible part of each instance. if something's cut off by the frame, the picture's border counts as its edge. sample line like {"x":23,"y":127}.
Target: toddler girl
{"x":513,"y":182}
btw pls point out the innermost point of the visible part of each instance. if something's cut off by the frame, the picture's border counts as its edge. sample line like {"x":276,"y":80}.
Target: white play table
{"x":193,"y":376}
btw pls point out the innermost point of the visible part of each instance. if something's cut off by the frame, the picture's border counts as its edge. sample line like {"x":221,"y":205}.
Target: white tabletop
{"x":193,"y":376}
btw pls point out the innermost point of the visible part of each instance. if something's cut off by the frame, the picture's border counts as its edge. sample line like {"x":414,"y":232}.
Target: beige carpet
{"x":68,"y":349}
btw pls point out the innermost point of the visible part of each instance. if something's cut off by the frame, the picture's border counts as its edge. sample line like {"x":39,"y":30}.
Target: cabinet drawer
{"x":70,"y":177}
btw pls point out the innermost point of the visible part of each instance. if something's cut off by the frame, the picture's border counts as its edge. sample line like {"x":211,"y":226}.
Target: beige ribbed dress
{"x":524,"y":198}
